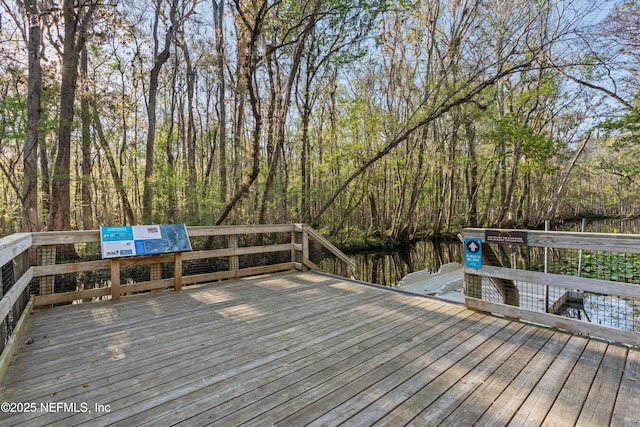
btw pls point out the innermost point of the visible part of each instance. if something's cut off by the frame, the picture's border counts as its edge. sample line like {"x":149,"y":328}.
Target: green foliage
{"x":618,"y":267}
{"x":536,"y":146}
{"x":13,"y":114}
{"x":625,"y":129}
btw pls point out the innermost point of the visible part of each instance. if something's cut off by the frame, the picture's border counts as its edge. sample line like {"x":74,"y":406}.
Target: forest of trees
{"x":385,"y":119}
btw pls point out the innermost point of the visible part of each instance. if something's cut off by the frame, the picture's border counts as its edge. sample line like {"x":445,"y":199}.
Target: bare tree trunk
{"x":172,"y":197}
{"x":29,"y":196}
{"x":75,"y":28}
{"x":554,"y":204}
{"x":45,"y":174}
{"x":160,"y":57}
{"x":191,"y":137}
{"x":510,"y":188}
{"x":472,"y":177}
{"x":248,"y":62}
{"x":115,"y":175}
{"x":87,"y":211}
{"x":218,"y":16}
{"x":284,"y":103}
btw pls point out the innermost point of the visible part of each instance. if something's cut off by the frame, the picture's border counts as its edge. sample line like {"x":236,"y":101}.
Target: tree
{"x":159,"y":59}
{"x":29,"y":191}
{"x":77,"y":19}
{"x":250,"y":20}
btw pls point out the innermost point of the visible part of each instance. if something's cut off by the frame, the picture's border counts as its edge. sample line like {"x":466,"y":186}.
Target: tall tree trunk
{"x":284,"y":103}
{"x":472,"y":176}
{"x":160,"y":57}
{"x":248,"y":63}
{"x":305,"y":210}
{"x":222,"y":105}
{"x":192,"y":178}
{"x":75,"y":28}
{"x":555,"y":201}
{"x":115,"y":175}
{"x":87,"y":211}
{"x":45,"y":174}
{"x":30,"y":220}
{"x":510,"y":188}
{"x":171,"y":187}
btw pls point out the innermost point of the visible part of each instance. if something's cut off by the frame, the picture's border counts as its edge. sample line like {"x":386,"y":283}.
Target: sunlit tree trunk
{"x":30,"y":221}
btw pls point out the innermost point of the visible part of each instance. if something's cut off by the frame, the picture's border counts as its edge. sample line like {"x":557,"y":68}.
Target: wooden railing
{"x":585,"y":283}
{"x":54,"y":267}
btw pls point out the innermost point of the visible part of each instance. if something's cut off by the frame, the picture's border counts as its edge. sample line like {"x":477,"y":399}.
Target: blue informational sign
{"x":119,"y":241}
{"x":473,"y":253}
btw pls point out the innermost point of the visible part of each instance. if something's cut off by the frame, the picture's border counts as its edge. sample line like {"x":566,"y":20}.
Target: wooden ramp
{"x":309,"y":349}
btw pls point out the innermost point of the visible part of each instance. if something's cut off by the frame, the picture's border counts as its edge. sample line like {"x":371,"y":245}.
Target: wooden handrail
{"x":348,"y":264}
{"x":571,"y":240}
{"x":534,"y":286}
{"x":13,"y":245}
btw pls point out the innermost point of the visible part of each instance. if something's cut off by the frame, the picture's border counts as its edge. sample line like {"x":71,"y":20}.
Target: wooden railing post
{"x":305,"y":246}
{"x":298,"y":239}
{"x":115,"y":279}
{"x":177,"y":271}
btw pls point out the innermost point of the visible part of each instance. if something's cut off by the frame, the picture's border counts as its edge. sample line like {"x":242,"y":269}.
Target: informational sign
{"x":506,"y":237}
{"x":122,"y":241}
{"x":473,"y":253}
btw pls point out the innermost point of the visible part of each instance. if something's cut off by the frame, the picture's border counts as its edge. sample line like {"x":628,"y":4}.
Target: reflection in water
{"x":388,"y":268}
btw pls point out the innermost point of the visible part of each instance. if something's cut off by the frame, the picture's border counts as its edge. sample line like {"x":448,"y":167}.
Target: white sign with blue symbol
{"x":473,"y":253}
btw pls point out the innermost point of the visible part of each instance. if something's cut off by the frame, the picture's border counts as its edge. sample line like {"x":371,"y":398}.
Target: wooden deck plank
{"x":472,"y":408}
{"x":570,"y":400}
{"x":191,"y":369}
{"x":224,"y":367}
{"x":150,"y":334}
{"x":535,"y":408}
{"x":196,"y":407}
{"x":399,"y":371}
{"x":628,"y":400}
{"x":306,"y":348}
{"x":463,"y":386}
{"x":598,"y":407}
{"x":403,"y":388}
{"x":274,"y":406}
{"x":507,"y":404}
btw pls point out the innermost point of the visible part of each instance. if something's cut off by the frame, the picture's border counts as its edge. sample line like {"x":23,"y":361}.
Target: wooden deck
{"x":305,"y":348}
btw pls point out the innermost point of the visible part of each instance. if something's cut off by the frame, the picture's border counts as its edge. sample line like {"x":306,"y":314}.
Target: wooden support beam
{"x":177,"y":271}
{"x":115,"y":279}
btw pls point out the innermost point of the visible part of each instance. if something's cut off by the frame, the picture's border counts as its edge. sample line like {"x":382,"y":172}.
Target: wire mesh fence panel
{"x":206,"y":265}
{"x":322,"y":257}
{"x":10,"y":273}
{"x":573,"y":302}
{"x":260,"y":260}
{"x":263,"y":239}
{"x":203,"y":243}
